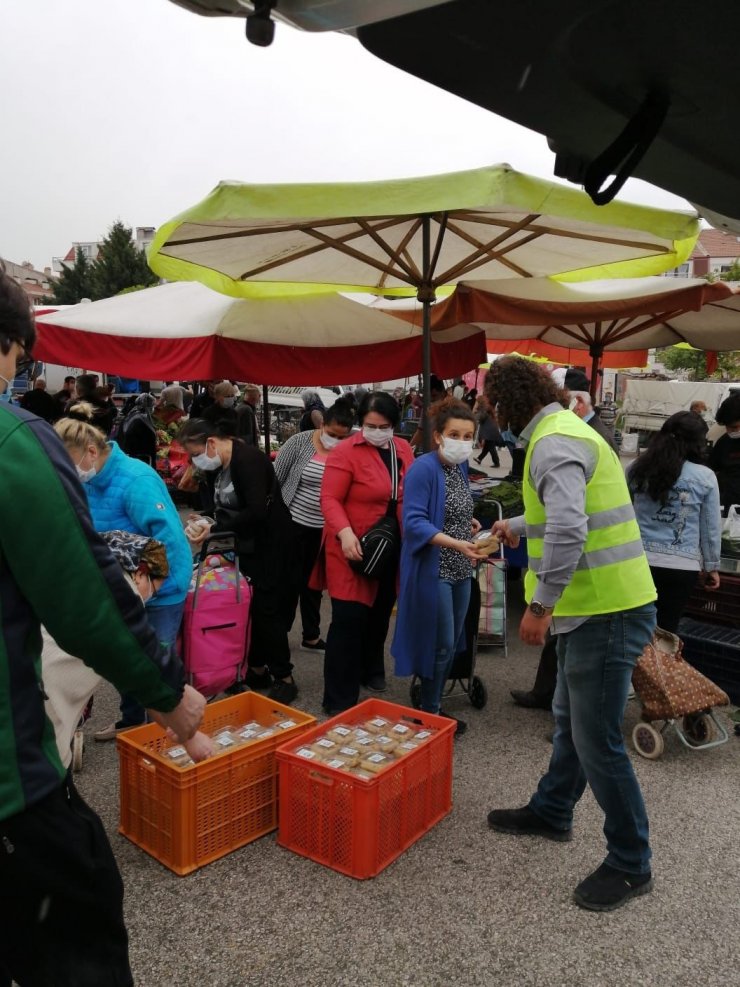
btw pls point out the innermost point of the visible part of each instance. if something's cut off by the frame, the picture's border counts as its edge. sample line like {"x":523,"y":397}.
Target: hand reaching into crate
{"x":186,"y":717}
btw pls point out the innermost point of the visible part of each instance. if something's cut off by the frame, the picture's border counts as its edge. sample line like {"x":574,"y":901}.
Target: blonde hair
{"x":77,"y":432}
{"x":224,"y":390}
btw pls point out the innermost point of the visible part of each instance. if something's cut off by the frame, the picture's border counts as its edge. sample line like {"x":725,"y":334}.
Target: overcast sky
{"x":135,"y":109}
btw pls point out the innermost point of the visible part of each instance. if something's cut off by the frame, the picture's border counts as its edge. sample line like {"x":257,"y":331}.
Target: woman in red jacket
{"x":354,"y":495}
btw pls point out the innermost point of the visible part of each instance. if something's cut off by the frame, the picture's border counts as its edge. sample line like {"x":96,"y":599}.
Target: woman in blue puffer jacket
{"x":128,"y":495}
{"x":676,"y":501}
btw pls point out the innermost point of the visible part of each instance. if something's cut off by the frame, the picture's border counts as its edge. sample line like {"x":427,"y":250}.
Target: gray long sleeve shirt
{"x":559,"y":469}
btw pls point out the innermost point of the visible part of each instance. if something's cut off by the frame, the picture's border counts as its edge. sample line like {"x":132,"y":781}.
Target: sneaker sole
{"x":632,"y":893}
{"x":308,"y":650}
{"x":549,"y":834}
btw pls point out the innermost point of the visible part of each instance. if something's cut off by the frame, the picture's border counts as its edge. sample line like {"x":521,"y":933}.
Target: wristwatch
{"x":539,"y":610}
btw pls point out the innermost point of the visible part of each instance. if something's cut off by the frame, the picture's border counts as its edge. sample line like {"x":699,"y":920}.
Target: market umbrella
{"x":183,"y":330}
{"x":411,"y":236}
{"x":597,"y":316}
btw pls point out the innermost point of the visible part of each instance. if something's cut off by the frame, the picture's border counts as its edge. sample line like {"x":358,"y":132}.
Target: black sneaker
{"x":462,"y":726}
{"x":376,"y":683}
{"x":319,"y":646}
{"x":258,"y":682}
{"x":608,"y":888}
{"x":283,"y":692}
{"x":524,"y":822}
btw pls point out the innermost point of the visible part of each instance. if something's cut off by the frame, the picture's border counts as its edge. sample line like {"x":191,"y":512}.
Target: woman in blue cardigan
{"x":437,"y":556}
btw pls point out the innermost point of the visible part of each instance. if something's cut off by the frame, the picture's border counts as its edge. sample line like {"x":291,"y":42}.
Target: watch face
{"x":537,"y":609}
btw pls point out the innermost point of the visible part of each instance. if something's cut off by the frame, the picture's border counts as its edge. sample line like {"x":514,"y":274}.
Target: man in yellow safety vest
{"x":589,"y":582}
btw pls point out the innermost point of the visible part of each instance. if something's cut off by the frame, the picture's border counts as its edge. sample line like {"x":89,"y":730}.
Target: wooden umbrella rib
{"x":484,"y":254}
{"x":396,"y":255}
{"x":338,"y":243}
{"x":383,"y":223}
{"x":569,"y":234}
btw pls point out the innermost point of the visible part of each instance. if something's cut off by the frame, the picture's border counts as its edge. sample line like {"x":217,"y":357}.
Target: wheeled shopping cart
{"x":676,"y":696}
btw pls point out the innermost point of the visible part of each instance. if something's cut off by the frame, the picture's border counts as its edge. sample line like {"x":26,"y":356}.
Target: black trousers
{"x":489,"y":449}
{"x":61,"y":898}
{"x":305,"y":545}
{"x":674,"y":587}
{"x":355,"y":644}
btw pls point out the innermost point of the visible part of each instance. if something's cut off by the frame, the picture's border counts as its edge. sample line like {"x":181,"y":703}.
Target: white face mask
{"x":205,"y":462}
{"x":573,"y":404}
{"x":229,"y":402}
{"x":85,"y":475}
{"x":455,"y":451}
{"x":735,"y":434}
{"x":377,"y":436}
{"x":329,"y":441}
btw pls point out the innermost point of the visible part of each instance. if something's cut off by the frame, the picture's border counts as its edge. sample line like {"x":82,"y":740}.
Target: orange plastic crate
{"x":187,"y":817}
{"x":358,"y":827}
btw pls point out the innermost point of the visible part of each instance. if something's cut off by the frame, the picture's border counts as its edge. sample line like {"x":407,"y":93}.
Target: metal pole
{"x":266,"y":417}
{"x":596,"y":353}
{"x":425,"y":295}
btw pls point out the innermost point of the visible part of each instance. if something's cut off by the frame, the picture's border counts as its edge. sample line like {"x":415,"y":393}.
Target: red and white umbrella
{"x":184,"y":331}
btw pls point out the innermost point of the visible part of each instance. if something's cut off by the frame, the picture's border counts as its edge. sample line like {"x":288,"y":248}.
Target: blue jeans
{"x":452,"y":606}
{"x":595,"y":663}
{"x":165,"y":622}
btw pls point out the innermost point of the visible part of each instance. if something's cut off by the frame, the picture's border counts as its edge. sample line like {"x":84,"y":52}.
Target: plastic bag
{"x":731,"y":533}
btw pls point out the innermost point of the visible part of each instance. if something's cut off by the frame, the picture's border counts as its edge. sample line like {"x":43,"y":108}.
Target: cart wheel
{"x":415,"y":694}
{"x":648,"y":741}
{"x":478,"y":693}
{"x":78,"y":746}
{"x":698,"y":728}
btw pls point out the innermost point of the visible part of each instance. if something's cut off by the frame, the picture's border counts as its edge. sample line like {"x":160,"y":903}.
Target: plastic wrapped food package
{"x":362,"y":752}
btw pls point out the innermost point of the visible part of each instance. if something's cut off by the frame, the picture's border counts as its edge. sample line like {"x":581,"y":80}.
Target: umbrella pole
{"x":596,"y":354}
{"x":425,"y":295}
{"x":266,"y":417}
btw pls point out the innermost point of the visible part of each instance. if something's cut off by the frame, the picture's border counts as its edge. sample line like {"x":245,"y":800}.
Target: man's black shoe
{"x":524,"y":822}
{"x":376,"y":683}
{"x":608,"y":888}
{"x":256,"y":681}
{"x":530,"y":700}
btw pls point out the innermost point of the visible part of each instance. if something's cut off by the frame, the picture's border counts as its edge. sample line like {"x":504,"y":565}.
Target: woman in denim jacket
{"x":676,"y":502}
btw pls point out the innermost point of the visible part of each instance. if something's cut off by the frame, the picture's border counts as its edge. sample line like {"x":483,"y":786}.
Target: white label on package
{"x":325,"y":743}
{"x":408,"y":746}
{"x":286,"y":724}
{"x":342,"y":731}
{"x":400,"y":728}
{"x":247,"y":733}
{"x":305,"y":752}
{"x":336,"y":763}
{"x":384,"y":740}
{"x":365,"y":741}
{"x":224,"y":740}
{"x":359,"y":733}
{"x":377,"y":758}
{"x":424,"y":734}
{"x":176,"y":752}
{"x":254,"y":725}
{"x":379,"y":722}
{"x":349,"y":751}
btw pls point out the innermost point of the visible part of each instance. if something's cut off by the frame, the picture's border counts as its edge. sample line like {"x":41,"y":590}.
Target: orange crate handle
{"x":322,"y":779}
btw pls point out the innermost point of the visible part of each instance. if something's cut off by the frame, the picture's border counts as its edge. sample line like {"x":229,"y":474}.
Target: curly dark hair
{"x":448,"y":408}
{"x":517,"y":389}
{"x":729,"y":411}
{"x":682,"y":437}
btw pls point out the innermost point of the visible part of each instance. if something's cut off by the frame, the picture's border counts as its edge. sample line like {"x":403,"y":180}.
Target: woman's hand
{"x":710,"y":580}
{"x":351,"y":548}
{"x":503,"y":532}
{"x":475,"y":526}
{"x":469,"y":549}
{"x":203,"y":531}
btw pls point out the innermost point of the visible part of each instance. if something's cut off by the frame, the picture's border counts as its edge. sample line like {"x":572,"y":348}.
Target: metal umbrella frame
{"x":412,"y":237}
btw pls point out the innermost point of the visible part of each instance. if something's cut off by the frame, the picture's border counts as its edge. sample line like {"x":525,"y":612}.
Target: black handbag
{"x":381,"y":542}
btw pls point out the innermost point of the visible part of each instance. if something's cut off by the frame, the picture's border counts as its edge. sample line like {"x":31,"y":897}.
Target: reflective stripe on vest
{"x":612,"y":573}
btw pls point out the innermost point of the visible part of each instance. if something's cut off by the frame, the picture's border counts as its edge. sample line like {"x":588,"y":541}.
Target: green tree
{"x":733,"y":274}
{"x":74,"y":283}
{"x":695,"y":362}
{"x":120,"y":264}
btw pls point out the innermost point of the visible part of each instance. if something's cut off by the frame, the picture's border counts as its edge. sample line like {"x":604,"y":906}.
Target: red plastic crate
{"x":718,"y":606}
{"x":358,"y":827}
{"x":187,"y":817}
